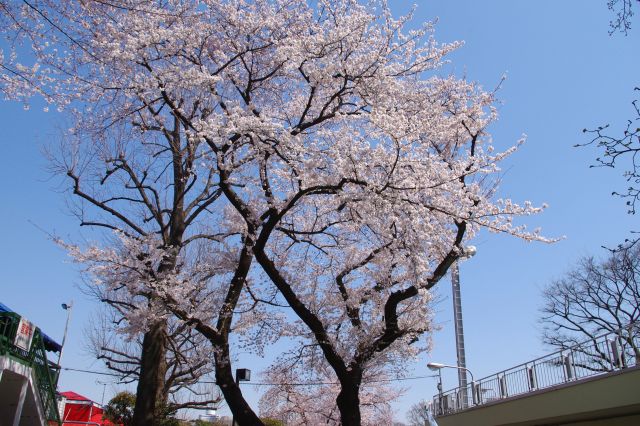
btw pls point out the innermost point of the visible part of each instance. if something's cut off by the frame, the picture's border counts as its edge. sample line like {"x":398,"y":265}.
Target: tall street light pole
{"x":459,"y":329}
{"x":67,"y":307}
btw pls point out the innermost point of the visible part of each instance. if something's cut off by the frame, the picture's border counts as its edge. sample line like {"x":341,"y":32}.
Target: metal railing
{"x":45,"y":372}
{"x":609,"y":352}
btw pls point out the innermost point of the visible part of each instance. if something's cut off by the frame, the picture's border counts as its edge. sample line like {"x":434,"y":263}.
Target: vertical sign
{"x":24,"y":335}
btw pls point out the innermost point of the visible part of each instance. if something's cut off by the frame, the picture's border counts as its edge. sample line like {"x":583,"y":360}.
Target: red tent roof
{"x":74,"y":396}
{"x":81,"y":409}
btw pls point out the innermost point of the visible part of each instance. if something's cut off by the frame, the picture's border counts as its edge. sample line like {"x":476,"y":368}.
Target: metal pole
{"x":440,"y":399}
{"x":459,"y":330}
{"x":233,"y":421}
{"x":66,"y":328}
{"x":104,"y":388}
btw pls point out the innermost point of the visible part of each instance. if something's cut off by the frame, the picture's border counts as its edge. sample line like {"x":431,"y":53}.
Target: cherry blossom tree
{"x":320,"y":138}
{"x":303,"y":390}
{"x":138,"y":182}
{"x":133,"y":264}
{"x":189,"y":359}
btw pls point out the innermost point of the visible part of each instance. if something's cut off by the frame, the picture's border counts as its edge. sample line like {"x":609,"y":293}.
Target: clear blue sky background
{"x":564,"y":73}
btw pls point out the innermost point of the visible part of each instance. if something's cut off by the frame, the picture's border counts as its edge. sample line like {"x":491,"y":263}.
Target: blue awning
{"x":49,"y":344}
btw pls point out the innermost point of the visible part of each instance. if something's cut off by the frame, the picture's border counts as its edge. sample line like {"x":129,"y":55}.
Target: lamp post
{"x":440,"y":405}
{"x":67,"y":307}
{"x":104,"y":388}
{"x":457,"y":316}
{"x":242,"y":375}
{"x":436,"y":366}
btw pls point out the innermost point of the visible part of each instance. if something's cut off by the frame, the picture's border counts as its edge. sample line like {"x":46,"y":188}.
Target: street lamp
{"x":436,"y":366}
{"x":242,"y":375}
{"x":104,"y":388}
{"x":66,"y":307}
{"x":468,"y":252}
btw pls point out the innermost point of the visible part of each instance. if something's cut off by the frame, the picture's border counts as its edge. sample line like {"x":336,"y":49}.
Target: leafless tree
{"x":418,"y":414}
{"x":623,"y":10}
{"x":622,"y":150}
{"x":594,"y":298}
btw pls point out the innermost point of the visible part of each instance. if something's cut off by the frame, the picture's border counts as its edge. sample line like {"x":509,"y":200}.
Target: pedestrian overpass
{"x":594,"y":383}
{"x":28,"y":379}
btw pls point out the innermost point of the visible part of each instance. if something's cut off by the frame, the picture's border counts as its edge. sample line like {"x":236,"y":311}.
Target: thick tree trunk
{"x":348,"y":402}
{"x":242,"y":412}
{"x":153,"y":369}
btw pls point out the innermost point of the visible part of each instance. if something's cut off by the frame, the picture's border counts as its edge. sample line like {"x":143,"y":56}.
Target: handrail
{"x":611,"y":351}
{"x":36,"y":358}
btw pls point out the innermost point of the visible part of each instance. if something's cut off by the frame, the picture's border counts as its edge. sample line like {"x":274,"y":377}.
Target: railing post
{"x":623,"y":355}
{"x":476,"y":394}
{"x":568,"y":367}
{"x":503,"y":387}
{"x":533,"y":382}
{"x":615,"y":353}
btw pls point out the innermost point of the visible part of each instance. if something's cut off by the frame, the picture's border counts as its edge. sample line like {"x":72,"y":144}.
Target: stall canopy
{"x":79,"y":409}
{"x":49,"y":344}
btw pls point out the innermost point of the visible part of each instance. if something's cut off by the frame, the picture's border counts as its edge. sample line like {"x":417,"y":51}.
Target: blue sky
{"x":564,"y":73}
